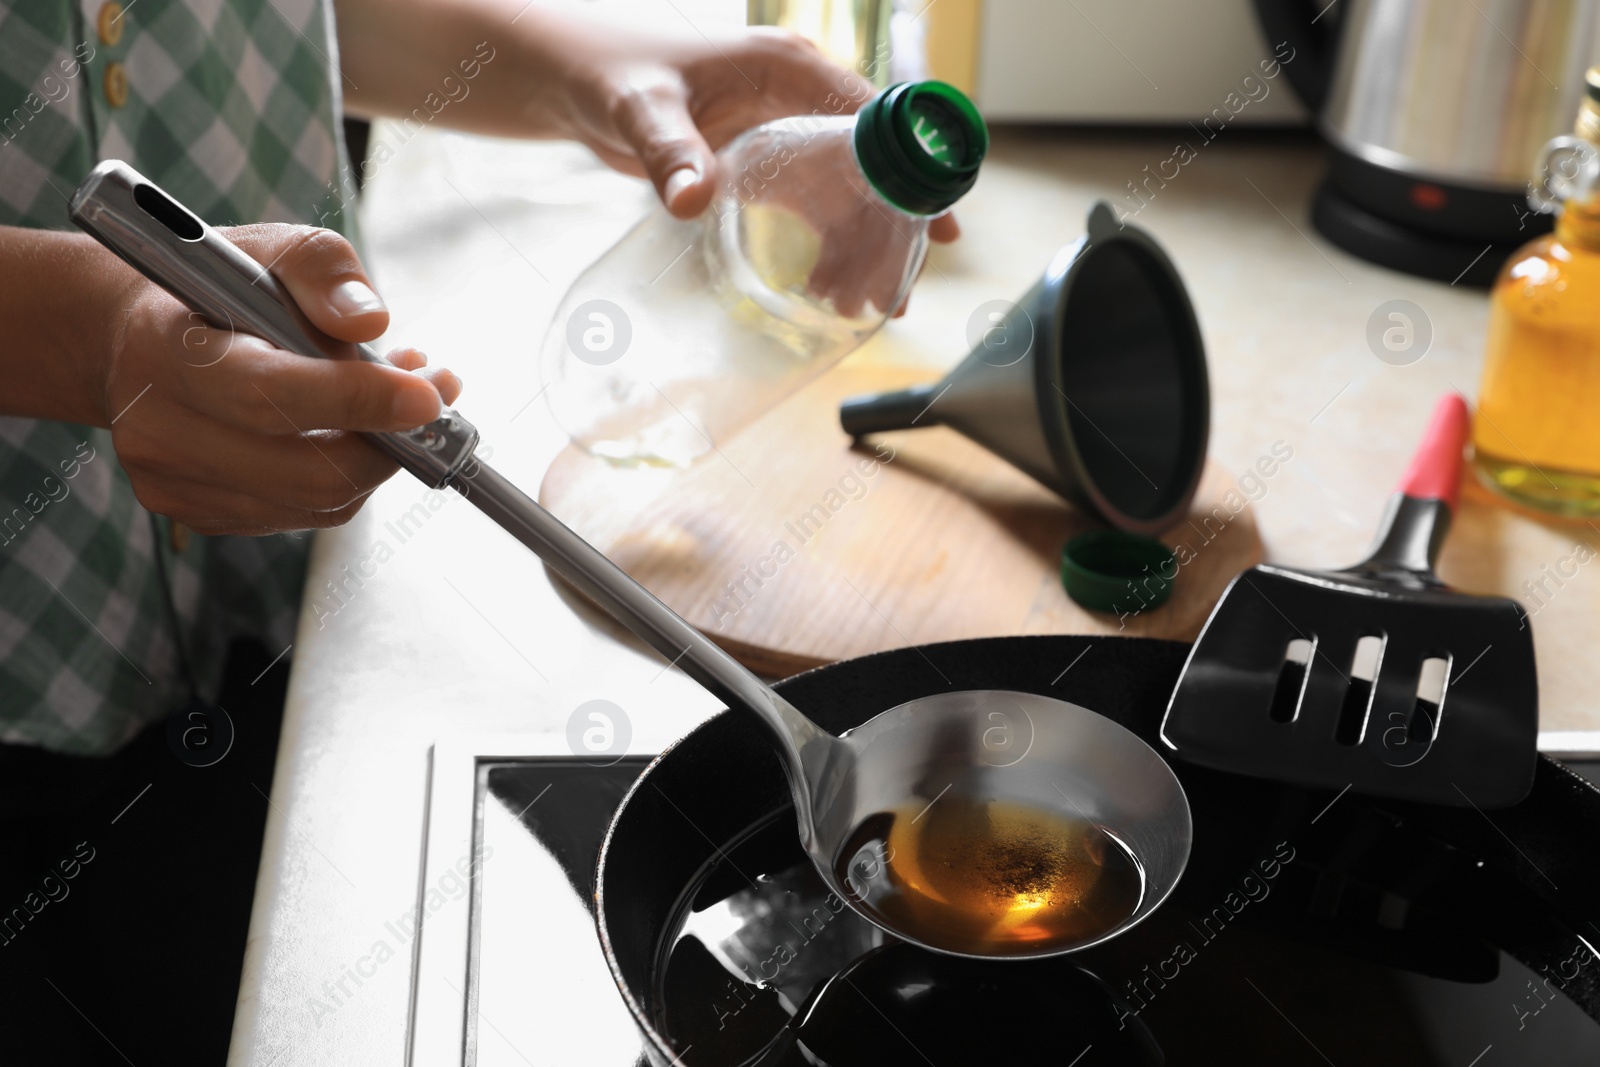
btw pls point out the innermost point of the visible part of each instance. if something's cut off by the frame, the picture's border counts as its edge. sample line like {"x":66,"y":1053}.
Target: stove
{"x":516,"y":977}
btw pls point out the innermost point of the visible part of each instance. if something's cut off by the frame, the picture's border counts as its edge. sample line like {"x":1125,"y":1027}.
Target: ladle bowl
{"x":999,"y":745}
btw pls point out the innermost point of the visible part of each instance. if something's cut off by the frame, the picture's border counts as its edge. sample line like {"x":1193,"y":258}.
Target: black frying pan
{"x":1377,"y":893}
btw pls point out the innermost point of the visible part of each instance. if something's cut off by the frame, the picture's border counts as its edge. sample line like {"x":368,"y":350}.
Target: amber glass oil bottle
{"x":1536,"y":439}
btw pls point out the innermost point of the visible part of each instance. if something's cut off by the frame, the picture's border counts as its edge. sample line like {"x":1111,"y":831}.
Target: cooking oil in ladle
{"x":991,"y":877}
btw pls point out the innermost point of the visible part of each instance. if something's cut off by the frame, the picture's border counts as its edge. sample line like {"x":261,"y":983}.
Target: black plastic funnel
{"x":1094,"y":383}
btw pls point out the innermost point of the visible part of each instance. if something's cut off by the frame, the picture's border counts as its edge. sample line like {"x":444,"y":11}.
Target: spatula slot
{"x":1424,"y":725}
{"x":1357,"y":705}
{"x":1292,"y":674}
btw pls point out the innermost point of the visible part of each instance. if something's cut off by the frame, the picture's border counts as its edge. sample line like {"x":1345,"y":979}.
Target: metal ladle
{"x":986,"y":745}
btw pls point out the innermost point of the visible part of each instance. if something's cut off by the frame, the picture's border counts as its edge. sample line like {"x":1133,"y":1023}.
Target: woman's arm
{"x":498,"y":68}
{"x":655,"y":106}
{"x":58,"y":308}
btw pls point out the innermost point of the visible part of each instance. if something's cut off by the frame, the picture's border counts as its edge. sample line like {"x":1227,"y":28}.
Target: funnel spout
{"x":904,"y":409}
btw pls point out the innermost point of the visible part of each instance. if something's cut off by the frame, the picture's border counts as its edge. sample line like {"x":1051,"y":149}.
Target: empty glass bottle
{"x":686,"y":331}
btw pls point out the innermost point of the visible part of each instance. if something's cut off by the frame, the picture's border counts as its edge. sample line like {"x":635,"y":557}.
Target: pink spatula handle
{"x":1435,"y":470}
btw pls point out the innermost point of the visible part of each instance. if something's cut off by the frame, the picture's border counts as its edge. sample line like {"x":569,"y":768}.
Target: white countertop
{"x":459,"y":630}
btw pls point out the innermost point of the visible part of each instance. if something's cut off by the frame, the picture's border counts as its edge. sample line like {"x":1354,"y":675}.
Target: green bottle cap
{"x":1112,"y":571}
{"x":919,"y":144}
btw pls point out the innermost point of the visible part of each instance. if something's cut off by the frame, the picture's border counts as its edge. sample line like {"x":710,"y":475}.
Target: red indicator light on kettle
{"x":1428,"y":197}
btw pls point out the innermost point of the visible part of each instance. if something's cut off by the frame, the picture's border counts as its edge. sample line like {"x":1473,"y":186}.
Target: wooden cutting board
{"x":792,"y":549}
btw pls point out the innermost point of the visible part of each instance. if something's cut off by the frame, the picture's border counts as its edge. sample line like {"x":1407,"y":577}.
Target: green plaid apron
{"x":231,"y":106}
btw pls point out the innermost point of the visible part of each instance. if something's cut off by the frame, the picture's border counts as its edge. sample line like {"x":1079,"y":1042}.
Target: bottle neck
{"x":1579,"y":224}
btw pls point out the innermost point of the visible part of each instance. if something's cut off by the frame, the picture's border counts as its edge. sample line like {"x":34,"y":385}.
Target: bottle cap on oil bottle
{"x":920,"y":144}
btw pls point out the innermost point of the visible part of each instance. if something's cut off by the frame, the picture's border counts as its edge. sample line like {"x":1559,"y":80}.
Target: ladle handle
{"x":212,"y":276}
{"x":631,"y":604}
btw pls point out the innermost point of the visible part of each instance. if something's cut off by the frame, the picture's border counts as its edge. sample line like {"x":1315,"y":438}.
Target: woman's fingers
{"x":407,"y":359}
{"x":793,"y":75}
{"x":944,"y":228}
{"x":206,"y":509}
{"x":265,"y":390}
{"x":323,"y":274}
{"x":443,"y":379}
{"x":650,"y":110}
{"x":315,"y":472}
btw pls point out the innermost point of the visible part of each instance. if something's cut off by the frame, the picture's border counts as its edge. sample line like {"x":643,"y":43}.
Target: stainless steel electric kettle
{"x":1436,"y":111}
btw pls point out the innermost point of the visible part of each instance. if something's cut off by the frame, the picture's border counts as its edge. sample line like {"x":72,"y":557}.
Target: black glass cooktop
{"x":543,"y":992}
{"x":1236,"y":983}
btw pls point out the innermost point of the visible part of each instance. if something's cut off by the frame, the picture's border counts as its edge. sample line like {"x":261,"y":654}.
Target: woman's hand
{"x":662,"y":108}
{"x":227,"y":434}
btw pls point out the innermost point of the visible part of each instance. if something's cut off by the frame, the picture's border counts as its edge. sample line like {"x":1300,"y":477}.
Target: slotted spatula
{"x":1439,"y":703}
